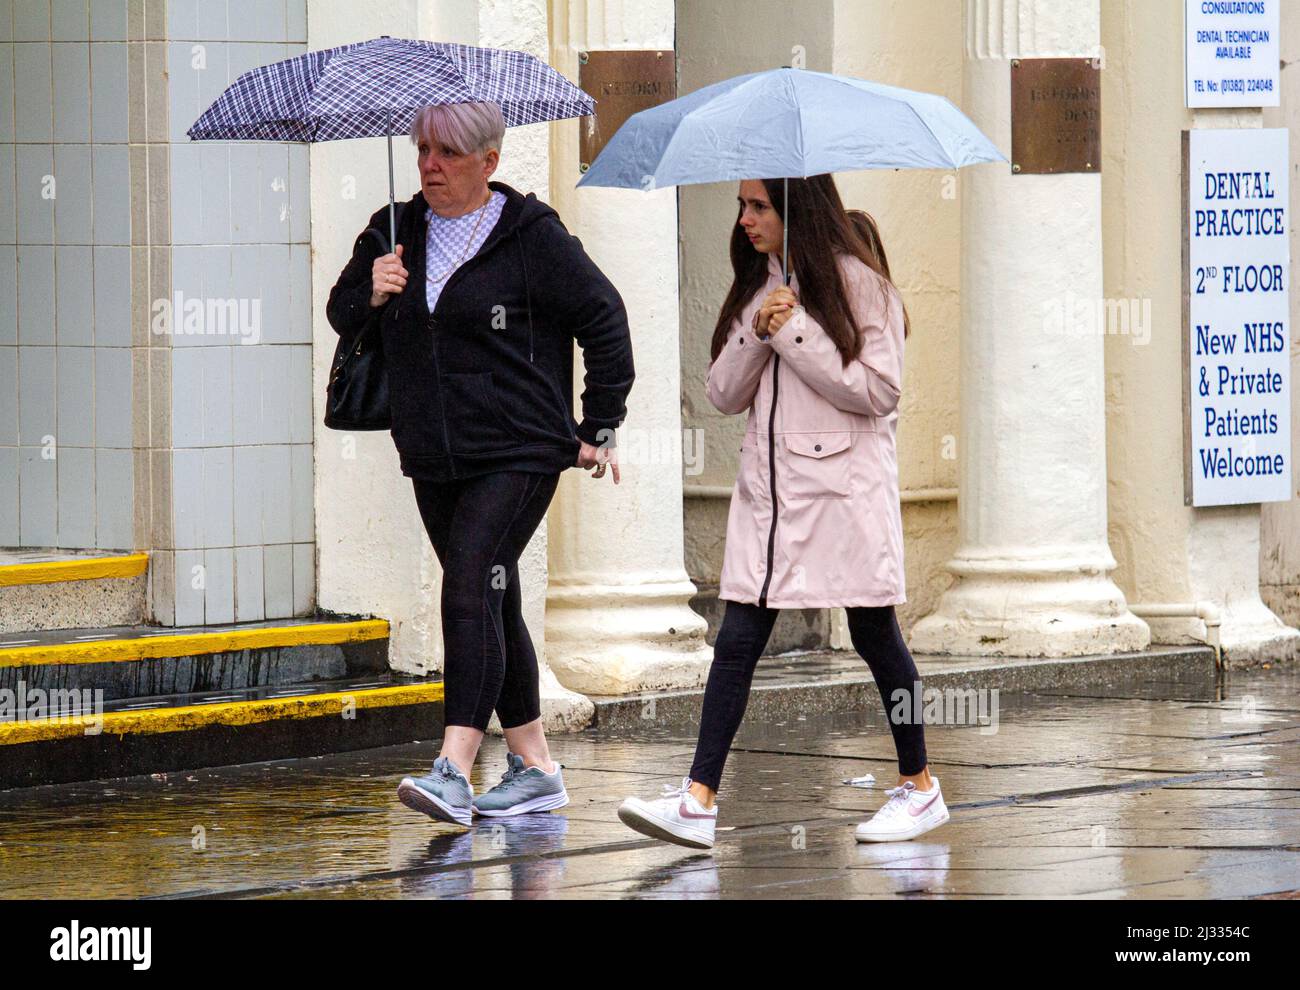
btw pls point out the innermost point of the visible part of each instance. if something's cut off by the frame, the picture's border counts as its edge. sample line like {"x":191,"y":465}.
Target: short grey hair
{"x":463,"y":127}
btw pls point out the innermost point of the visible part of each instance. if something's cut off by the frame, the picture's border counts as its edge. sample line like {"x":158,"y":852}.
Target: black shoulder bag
{"x":357,"y":395}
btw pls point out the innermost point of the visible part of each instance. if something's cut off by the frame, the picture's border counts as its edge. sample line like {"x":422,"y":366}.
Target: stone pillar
{"x":1032,"y":565}
{"x":617,"y":618}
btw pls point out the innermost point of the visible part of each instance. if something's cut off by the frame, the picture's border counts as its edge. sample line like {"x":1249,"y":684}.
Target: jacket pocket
{"x":477,"y":423}
{"x":818,"y":465}
{"x":747,"y":477}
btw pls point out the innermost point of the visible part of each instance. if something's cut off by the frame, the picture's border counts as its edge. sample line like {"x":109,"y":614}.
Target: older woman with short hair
{"x":478,"y":308}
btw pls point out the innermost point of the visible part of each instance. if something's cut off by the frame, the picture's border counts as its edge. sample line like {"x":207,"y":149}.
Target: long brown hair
{"x":822,"y":229}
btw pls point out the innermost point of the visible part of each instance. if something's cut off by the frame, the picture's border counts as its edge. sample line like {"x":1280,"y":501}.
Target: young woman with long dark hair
{"x":815,"y":519}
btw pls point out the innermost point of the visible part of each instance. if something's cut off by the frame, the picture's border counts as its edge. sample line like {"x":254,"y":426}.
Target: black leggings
{"x":744,"y":634}
{"x":479,"y":527}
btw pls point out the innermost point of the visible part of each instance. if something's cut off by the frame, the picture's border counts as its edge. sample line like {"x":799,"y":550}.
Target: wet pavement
{"x":1155,"y":791}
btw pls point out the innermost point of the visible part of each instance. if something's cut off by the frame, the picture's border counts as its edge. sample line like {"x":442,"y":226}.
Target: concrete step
{"x":71,"y":589}
{"x":141,"y":661}
{"x":185,"y":732}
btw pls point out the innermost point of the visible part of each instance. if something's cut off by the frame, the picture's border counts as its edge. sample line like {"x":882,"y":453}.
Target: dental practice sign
{"x":1238,"y":334}
{"x":1233,"y":53}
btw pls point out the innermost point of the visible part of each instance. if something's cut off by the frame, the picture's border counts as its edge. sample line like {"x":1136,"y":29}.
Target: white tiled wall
{"x":241,"y":413}
{"x":217,"y":441}
{"x":66,"y":457}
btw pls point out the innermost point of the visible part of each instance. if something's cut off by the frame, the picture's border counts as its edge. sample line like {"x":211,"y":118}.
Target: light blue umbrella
{"x":787,"y":122}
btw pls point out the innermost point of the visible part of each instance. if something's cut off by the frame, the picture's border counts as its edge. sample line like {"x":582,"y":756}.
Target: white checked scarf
{"x":447,"y":240}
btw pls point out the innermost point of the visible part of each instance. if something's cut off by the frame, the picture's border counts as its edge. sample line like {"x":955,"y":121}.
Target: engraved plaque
{"x":1055,"y":115}
{"x":622,"y":83}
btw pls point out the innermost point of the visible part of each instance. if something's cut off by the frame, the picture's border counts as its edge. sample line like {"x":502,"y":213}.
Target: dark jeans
{"x":479,"y":527}
{"x":744,"y":634}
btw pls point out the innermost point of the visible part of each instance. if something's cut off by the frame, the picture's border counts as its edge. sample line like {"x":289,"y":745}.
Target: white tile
{"x":274,"y":224}
{"x":8,"y":208}
{"x":184,"y":68}
{"x":186,"y":204}
{"x":277,"y":580}
{"x":277,"y":517}
{"x":218,"y":494}
{"x":245,"y":201}
{"x":187,"y":499}
{"x":6,"y":20}
{"x":248,"y":486}
{"x":222,"y":325}
{"x":215,"y":74}
{"x":303,"y":493}
{"x":6,"y":85}
{"x":191,"y":584}
{"x":35,"y":294}
{"x":300,"y":390}
{"x":69,"y":20}
{"x":108,"y":20}
{"x":33,"y":93}
{"x":187,"y":289}
{"x":115,"y":499}
{"x":35,"y":193}
{"x":257,"y":20}
{"x":74,"y":318}
{"x":187,"y":397}
{"x":76,"y":407}
{"x":212,"y":21}
{"x":300,"y":302}
{"x":247,"y":387}
{"x":36,"y":396}
{"x":275,"y":394}
{"x":299,"y":194}
{"x":275,"y":293}
{"x":8,"y":400}
{"x":112,"y":296}
{"x":37,"y":498}
{"x":295,"y":17}
{"x":9,"y":497}
{"x":31,"y":20}
{"x":162,"y":586}
{"x":76,"y":473}
{"x":218,"y":397}
{"x":110,"y":95}
{"x":112,"y":181}
{"x":72,"y":219}
{"x":8,"y":294}
{"x":304,"y":578}
{"x":249,"y":602}
{"x":219,"y":599}
{"x":113,"y":382}
{"x":214,"y":181}
{"x":71,"y":91}
{"x":183,"y":19}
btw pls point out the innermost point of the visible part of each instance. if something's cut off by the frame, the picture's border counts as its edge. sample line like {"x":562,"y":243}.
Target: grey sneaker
{"x":523,"y":790}
{"x":444,"y":794}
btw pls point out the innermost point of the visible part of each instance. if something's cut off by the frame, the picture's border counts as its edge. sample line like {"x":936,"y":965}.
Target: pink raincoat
{"x":819,"y":447}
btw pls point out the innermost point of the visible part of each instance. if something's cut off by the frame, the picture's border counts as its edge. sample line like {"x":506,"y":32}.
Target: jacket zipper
{"x":771,"y":474}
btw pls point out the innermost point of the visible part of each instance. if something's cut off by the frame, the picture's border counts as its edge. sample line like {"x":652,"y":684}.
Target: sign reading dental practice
{"x":1233,"y":53}
{"x":1237,"y":263}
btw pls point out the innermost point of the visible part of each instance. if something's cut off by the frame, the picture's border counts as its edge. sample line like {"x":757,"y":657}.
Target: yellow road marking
{"x":54,"y":571}
{"x":190,"y":644}
{"x":232,"y":713}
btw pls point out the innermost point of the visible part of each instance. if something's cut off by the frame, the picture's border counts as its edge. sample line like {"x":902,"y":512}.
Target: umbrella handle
{"x":392,"y":210}
{"x":785,"y":235}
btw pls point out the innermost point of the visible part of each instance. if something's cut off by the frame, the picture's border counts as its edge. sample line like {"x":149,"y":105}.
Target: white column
{"x":1032,"y":566}
{"x":617,"y":618}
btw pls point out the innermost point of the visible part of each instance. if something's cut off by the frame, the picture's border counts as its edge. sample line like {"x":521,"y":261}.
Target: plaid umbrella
{"x":375,"y":88}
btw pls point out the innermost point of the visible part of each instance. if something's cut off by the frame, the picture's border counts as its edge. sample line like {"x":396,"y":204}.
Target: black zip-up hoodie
{"x":485,"y":382}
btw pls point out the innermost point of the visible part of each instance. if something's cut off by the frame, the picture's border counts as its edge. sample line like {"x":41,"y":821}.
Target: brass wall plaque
{"x":622,"y":83}
{"x":1055,"y":115}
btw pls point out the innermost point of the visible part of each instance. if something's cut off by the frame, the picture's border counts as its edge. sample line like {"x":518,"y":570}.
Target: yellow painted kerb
{"x":194,"y":643}
{"x":231,"y":713}
{"x":55,"y":571}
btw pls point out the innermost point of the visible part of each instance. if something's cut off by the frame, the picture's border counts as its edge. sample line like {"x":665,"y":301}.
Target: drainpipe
{"x":1207,"y":612}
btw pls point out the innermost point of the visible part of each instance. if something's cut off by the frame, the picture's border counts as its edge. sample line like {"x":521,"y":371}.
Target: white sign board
{"x":1238,"y":345}
{"x":1233,"y":55}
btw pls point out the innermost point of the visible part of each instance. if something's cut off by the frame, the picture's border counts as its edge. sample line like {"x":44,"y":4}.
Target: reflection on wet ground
{"x":1156,"y":791}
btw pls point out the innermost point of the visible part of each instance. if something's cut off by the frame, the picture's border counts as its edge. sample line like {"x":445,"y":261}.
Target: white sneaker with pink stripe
{"x":907,"y":814}
{"x":676,"y":817}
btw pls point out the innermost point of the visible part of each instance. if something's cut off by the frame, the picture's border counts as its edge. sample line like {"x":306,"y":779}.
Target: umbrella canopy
{"x":375,"y":88}
{"x":787,"y":122}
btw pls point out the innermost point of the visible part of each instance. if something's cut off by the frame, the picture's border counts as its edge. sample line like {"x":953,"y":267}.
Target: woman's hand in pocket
{"x":597,"y":457}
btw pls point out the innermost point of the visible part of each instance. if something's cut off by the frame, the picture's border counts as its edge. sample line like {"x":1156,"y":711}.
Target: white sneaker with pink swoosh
{"x":676,"y":817}
{"x":907,"y":814}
